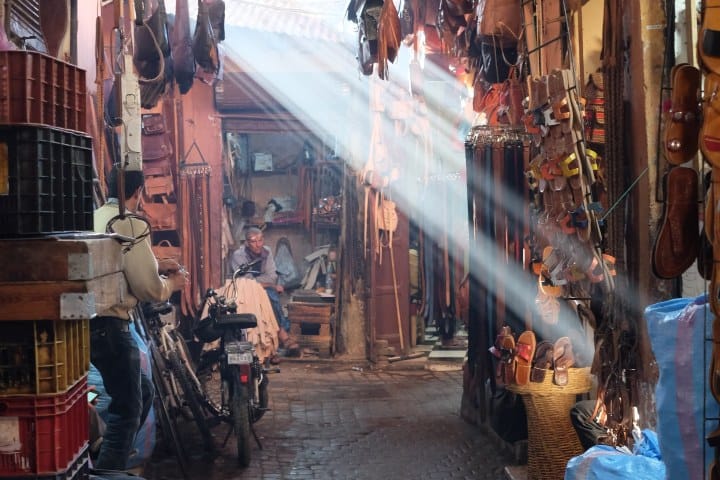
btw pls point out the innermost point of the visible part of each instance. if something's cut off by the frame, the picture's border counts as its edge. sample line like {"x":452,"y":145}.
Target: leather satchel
{"x":153,"y":124}
{"x":500,"y":19}
{"x":162,"y":215}
{"x":205,"y":46}
{"x":513,"y":93}
{"x":155,"y":147}
{"x":159,"y":185}
{"x":164,"y":250}
{"x":490,"y":100}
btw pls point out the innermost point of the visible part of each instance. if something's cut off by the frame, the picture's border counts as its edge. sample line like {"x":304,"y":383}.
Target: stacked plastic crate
{"x":55,"y":274}
{"x":46,"y":169}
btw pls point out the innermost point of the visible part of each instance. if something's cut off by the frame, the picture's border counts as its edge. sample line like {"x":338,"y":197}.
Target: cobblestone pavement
{"x":328,"y":421}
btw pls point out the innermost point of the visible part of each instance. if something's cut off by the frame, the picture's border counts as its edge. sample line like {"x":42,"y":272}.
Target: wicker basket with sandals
{"x":552,"y":440}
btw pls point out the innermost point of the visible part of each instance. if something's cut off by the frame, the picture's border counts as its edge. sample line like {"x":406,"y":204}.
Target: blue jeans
{"x":116,"y":355}
{"x":274,"y":297}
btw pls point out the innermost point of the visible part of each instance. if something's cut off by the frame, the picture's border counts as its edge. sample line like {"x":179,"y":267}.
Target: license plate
{"x":243,"y":358}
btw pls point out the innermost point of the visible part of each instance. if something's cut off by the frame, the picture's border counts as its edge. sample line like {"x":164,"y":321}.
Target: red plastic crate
{"x":43,"y":434}
{"x":40,"y":89}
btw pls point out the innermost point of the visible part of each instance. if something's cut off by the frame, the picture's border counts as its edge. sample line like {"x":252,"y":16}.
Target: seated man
{"x":267,"y":277}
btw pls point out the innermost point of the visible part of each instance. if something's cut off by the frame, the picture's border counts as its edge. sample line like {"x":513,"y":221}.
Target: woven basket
{"x":552,"y":440}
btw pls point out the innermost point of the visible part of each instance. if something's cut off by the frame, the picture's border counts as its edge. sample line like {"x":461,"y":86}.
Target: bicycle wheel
{"x":167,"y":426}
{"x":190,"y":398}
{"x":241,"y":421}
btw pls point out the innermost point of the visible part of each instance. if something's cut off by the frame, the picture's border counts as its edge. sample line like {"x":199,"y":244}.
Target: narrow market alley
{"x":330,"y":420}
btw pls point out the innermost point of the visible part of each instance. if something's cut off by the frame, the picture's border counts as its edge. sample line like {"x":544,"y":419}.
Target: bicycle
{"x":177,"y":387}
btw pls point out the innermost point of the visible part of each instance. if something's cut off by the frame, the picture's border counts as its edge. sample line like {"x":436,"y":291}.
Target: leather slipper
{"x":504,"y":352}
{"x":682,"y":122}
{"x":563,"y":358}
{"x":524,"y":353}
{"x":677,"y":243}
{"x":542,"y":362}
{"x":709,"y":36}
{"x":709,"y":136}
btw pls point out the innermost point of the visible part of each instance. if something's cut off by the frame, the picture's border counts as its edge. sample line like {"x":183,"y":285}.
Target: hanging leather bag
{"x":501,"y":19}
{"x":165,"y":250}
{"x":151,"y":43}
{"x":512,"y":97}
{"x":161,"y":215}
{"x":204,"y":42}
{"x":182,"y":48}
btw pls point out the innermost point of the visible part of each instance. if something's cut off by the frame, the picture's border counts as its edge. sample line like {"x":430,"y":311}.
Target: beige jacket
{"x":139,"y":264}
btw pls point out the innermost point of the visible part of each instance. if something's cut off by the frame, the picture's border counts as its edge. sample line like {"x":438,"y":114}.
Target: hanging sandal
{"x":709,"y":136}
{"x":709,"y":36}
{"x":677,"y":243}
{"x":682,"y":123}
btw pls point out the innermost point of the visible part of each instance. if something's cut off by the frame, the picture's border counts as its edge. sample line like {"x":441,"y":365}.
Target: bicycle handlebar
{"x":246,"y":268}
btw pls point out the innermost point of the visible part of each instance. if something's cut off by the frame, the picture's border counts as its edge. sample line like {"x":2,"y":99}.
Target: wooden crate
{"x":299,"y":312}
{"x":61,"y":300}
{"x":54,"y":259}
{"x":319,"y":343}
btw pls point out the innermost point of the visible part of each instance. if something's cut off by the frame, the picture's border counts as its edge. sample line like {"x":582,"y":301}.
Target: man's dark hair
{"x":134,"y":179}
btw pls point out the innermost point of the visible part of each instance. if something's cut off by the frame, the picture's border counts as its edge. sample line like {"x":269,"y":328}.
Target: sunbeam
{"x":418,"y":126}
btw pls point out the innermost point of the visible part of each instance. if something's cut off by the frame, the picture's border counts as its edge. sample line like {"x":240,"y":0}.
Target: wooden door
{"x":389,"y":294}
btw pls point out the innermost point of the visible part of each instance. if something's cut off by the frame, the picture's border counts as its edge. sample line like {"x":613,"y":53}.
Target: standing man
{"x":255,"y":248}
{"x":113,"y":350}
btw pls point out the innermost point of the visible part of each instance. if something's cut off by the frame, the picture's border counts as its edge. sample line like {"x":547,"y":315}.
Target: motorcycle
{"x":244,"y":381}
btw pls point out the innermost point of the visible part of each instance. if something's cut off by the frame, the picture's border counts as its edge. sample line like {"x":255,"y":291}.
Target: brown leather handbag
{"x":513,"y":93}
{"x":159,"y":185}
{"x":164,"y":250}
{"x":161,"y":215}
{"x":500,"y":19}
{"x":156,"y":147}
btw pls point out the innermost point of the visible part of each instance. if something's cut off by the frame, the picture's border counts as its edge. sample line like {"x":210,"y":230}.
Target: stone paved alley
{"x":329,"y":421}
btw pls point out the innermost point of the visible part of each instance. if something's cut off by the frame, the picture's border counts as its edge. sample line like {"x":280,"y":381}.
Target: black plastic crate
{"x":50,"y":180}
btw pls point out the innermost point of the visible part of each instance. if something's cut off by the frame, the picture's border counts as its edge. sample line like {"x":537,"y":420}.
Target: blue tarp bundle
{"x":678,"y":330}
{"x":603,"y":462}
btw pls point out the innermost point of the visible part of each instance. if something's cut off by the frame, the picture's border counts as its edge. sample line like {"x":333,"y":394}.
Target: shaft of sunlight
{"x":364,"y":119}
